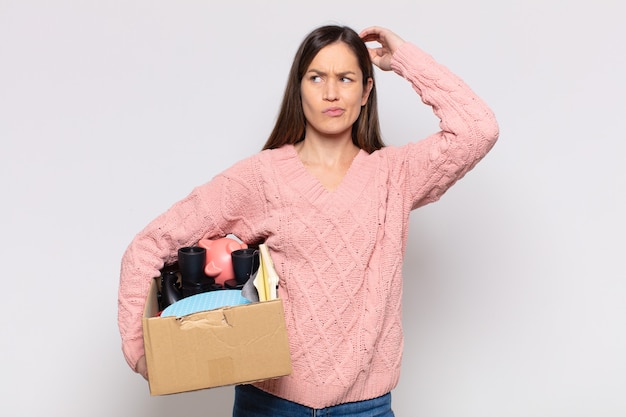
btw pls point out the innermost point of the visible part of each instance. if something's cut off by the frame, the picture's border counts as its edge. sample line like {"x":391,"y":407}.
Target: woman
{"x":332,"y":204}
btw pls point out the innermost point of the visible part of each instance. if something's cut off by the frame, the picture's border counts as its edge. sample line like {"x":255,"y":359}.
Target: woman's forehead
{"x":337,"y":56}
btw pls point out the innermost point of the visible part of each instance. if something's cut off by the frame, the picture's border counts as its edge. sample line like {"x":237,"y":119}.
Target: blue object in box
{"x":205,"y":301}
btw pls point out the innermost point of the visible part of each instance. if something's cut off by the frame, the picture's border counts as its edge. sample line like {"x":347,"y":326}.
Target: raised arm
{"x":468,"y":126}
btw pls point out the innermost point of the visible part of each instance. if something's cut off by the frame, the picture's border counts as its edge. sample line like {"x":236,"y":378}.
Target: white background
{"x":110,"y":111}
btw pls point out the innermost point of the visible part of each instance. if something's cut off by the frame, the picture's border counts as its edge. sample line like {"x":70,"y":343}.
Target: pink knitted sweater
{"x":338,"y":254}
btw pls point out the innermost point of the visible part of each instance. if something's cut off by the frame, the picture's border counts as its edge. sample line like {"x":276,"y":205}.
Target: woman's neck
{"x":326,"y":152}
{"x":327,"y":160}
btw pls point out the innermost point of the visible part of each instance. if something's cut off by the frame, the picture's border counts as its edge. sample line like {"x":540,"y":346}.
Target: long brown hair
{"x":290,"y":123}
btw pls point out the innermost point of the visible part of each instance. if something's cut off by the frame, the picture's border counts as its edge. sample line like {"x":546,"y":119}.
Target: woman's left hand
{"x":389,"y":41}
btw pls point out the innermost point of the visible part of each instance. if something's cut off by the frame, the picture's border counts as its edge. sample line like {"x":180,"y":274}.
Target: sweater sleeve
{"x":468,"y":127}
{"x":230,"y":203}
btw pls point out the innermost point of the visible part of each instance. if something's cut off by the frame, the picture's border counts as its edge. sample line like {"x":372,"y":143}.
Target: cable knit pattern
{"x":338,"y":254}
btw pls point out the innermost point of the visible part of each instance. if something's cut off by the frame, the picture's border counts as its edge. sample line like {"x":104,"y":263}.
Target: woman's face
{"x":332,"y":91}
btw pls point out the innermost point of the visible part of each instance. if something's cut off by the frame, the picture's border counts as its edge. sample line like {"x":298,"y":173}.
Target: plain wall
{"x":110,"y":111}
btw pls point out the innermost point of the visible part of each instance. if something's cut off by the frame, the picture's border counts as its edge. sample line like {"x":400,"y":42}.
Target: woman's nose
{"x":330,"y":91}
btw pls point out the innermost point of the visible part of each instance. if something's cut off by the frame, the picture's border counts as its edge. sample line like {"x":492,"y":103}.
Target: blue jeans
{"x":253,"y":402}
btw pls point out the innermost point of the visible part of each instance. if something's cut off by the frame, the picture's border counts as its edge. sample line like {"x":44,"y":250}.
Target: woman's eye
{"x":345,"y":80}
{"x":316,"y":78}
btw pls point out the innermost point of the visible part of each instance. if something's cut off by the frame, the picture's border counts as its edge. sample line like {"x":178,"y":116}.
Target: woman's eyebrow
{"x":320,"y":72}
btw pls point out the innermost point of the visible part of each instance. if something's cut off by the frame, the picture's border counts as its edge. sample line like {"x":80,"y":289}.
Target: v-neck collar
{"x":306,"y":184}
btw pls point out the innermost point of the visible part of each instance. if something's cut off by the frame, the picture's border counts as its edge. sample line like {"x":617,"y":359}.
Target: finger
{"x":373,"y":38}
{"x":370,"y":34}
{"x":370,"y":31}
{"x":370,"y":38}
{"x":376,"y":53}
{"x":378,"y":57}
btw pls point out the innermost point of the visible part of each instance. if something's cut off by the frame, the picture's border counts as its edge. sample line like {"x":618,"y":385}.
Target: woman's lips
{"x":333,"y":111}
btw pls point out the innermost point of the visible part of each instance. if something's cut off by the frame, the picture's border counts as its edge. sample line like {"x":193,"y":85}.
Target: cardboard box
{"x":226,"y":346}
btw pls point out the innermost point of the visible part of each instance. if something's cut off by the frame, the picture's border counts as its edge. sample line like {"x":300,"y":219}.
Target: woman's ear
{"x":367,"y":90}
